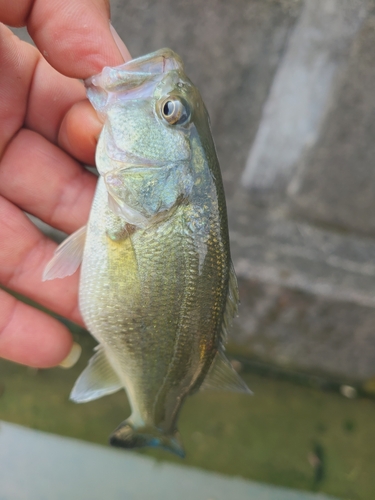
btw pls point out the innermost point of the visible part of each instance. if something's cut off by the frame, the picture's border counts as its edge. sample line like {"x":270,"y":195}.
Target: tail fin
{"x":128,"y":436}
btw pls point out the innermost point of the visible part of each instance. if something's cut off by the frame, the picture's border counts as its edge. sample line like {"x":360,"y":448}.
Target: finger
{"x":29,"y":336}
{"x":17,"y":68}
{"x":50,"y":97}
{"x":44,"y":181}
{"x":73,"y":35}
{"x":15,"y":13}
{"x":26,"y":77}
{"x":24,"y":253}
{"x":79,"y":132}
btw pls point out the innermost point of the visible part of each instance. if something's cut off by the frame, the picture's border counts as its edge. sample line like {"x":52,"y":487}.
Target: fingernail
{"x":72,"y":357}
{"x":120,"y":44}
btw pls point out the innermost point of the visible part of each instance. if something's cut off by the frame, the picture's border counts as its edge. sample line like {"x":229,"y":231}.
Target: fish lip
{"x":132,"y":80}
{"x":111,"y":175}
{"x":150,"y":66}
{"x":128,"y":159}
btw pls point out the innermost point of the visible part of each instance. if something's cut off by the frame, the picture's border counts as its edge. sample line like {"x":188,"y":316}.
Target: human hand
{"x":47,"y":131}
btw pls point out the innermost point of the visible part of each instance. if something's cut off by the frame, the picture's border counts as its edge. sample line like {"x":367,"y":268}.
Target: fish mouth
{"x":135,"y":79}
{"x":145,"y":67}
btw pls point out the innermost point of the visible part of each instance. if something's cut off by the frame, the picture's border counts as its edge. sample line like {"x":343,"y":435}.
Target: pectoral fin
{"x":223,"y":377}
{"x":67,"y":257}
{"x":97,"y":379}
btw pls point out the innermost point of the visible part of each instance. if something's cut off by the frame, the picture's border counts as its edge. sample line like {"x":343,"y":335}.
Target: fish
{"x":157,"y":286}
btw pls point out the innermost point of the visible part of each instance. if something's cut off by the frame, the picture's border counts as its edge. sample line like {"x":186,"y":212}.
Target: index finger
{"x":74,"y":36}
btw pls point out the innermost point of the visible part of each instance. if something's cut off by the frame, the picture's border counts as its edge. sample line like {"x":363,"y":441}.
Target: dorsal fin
{"x":97,"y":379}
{"x":223,"y":377}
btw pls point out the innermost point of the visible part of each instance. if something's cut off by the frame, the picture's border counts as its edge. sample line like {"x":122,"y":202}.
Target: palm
{"x":47,"y":130}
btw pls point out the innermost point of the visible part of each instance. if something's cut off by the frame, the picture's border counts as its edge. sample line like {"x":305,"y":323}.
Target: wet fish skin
{"x":157,"y":289}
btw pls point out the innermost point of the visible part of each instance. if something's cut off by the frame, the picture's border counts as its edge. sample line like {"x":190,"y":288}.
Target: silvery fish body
{"x":157,"y":287}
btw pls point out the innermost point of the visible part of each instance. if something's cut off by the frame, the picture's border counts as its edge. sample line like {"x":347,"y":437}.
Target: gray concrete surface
{"x":335,"y":183}
{"x":301,"y":90}
{"x":40,"y":466}
{"x":307,"y":294}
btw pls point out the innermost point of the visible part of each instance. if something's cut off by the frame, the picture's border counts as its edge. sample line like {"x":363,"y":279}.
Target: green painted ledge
{"x":38,"y":466}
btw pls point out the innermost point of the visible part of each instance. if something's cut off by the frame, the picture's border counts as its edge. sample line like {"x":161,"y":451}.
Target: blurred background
{"x":289,"y":86}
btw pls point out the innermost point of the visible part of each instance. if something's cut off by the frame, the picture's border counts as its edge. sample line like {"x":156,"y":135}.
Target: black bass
{"x":157,"y":286}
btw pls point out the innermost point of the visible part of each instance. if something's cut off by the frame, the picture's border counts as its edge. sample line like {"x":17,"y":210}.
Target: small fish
{"x":157,"y":286}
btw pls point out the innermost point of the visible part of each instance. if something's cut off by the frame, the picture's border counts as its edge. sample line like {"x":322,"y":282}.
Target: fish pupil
{"x":168,"y":108}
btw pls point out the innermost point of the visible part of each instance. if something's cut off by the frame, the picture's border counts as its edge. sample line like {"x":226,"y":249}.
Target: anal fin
{"x":97,"y":379}
{"x":67,"y":257}
{"x":223,"y":377}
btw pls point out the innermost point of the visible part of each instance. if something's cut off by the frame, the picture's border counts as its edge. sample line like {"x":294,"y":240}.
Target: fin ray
{"x":97,"y":379}
{"x":67,"y":257}
{"x":231,"y":306}
{"x":223,"y":377}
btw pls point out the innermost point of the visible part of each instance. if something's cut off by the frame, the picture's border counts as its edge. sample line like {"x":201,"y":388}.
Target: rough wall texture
{"x":336,"y":182}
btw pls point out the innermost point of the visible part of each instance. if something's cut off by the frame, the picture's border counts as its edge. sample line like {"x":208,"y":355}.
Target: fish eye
{"x":174,"y":111}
